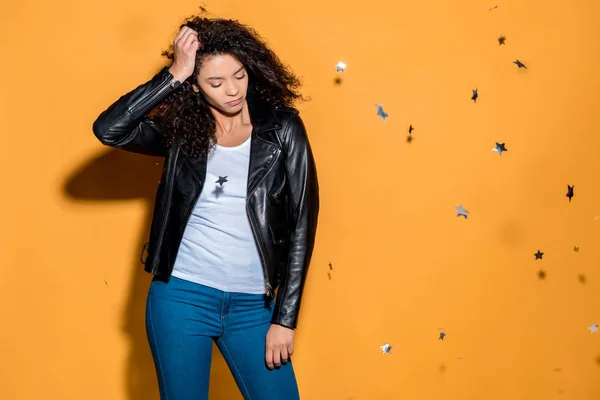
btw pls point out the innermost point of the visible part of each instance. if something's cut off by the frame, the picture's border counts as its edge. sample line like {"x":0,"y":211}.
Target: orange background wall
{"x":75,"y":214}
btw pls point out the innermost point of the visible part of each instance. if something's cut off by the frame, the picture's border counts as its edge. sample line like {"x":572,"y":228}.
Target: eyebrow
{"x":218,"y":77}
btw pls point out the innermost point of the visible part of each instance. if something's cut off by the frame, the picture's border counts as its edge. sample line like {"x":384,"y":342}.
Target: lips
{"x":234,"y":102}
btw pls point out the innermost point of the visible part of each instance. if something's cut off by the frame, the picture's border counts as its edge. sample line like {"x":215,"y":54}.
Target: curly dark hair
{"x":185,"y":116}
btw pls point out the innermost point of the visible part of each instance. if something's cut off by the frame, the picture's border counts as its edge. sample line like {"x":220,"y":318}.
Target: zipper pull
{"x":269,"y":292}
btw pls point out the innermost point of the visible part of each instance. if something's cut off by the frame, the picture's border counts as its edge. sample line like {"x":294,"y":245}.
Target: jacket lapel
{"x":264,"y":145}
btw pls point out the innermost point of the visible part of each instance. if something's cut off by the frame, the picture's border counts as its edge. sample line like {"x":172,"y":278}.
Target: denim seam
{"x":236,"y":368}
{"x":221,"y":314}
{"x":160,"y":369}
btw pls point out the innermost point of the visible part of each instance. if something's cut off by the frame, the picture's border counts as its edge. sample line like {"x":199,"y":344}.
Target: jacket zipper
{"x":268,"y":287}
{"x":166,"y":206}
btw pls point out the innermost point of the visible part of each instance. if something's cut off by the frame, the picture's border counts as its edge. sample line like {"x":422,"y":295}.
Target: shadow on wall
{"x":118,"y":175}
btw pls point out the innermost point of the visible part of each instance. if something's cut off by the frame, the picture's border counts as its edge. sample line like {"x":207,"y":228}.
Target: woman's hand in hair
{"x":185,"y":46}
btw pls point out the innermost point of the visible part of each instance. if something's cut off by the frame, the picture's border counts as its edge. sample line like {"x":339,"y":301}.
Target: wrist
{"x":178,"y":75}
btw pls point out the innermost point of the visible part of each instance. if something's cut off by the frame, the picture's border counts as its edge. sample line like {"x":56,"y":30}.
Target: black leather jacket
{"x":282,"y":199}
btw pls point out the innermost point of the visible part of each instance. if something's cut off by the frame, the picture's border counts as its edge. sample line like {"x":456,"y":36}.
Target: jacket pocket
{"x":276,"y":194}
{"x":277,"y":234}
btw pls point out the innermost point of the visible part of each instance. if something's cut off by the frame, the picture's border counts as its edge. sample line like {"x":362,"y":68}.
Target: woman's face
{"x":224,"y":82}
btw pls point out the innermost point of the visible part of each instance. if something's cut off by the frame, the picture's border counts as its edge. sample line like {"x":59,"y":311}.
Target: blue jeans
{"x":183,"y":319}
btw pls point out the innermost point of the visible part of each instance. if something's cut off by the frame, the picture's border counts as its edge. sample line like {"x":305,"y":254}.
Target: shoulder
{"x":292,"y":133}
{"x":283,"y":113}
{"x":291,"y":121}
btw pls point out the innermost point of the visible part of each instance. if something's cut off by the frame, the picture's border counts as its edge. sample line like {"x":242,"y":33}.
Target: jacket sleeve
{"x":124,"y":124}
{"x":304,"y":191}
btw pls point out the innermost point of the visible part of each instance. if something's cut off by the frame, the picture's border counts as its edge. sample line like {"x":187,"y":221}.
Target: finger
{"x":186,"y":37}
{"x":277,"y":357}
{"x":184,"y":33}
{"x":189,"y":40}
{"x":284,"y":354}
{"x":290,"y":349}
{"x":182,"y":30}
{"x":269,"y":358}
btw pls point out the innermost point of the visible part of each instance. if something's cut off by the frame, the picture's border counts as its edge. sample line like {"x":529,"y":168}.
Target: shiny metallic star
{"x":538,"y":255}
{"x":461,"y":212}
{"x":442,"y":335}
{"x":593,"y":328}
{"x":499,"y":148}
{"x":380,"y":112}
{"x":340,"y":67}
{"x":221,"y":180}
{"x":386,"y":348}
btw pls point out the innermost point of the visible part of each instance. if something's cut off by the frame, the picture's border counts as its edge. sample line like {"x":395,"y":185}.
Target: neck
{"x":227,"y":123}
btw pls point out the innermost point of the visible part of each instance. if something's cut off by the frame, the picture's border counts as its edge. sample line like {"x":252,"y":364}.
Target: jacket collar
{"x":262,"y":115}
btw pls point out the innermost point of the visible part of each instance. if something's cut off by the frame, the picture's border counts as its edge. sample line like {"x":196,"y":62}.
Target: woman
{"x":235,"y":211}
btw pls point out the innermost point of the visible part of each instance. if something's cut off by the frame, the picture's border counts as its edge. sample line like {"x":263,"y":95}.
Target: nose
{"x":231,"y":89}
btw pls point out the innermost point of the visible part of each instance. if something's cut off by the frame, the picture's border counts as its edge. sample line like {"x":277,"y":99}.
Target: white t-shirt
{"x":218,"y":248}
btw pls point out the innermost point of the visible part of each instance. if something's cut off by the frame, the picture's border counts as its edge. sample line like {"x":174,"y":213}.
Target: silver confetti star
{"x":593,"y":328}
{"x":340,"y":67}
{"x":499,"y":148}
{"x":461,"y":212}
{"x":386,"y":348}
{"x":380,"y":112}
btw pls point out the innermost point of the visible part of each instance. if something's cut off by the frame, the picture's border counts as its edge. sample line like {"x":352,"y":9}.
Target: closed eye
{"x":237,"y":77}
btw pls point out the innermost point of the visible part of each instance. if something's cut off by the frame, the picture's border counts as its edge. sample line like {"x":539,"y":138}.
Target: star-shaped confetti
{"x":582,"y":279}
{"x":570,"y":192}
{"x":490,"y":9}
{"x":380,"y":112}
{"x":410,"y":129}
{"x":221,"y":180}
{"x":340,"y":67}
{"x":499,"y":148}
{"x":576,"y":249}
{"x":519,"y":64}
{"x":386,"y":349}
{"x":442,"y":335}
{"x":461,"y":212}
{"x":502,"y":40}
{"x":474,"y":96}
{"x":330,"y":269}
{"x":593,"y":328}
{"x":538,"y":255}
